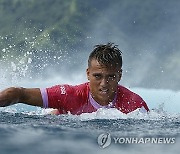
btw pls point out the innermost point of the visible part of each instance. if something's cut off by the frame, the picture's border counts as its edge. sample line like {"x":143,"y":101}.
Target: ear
{"x":87,"y":73}
{"x":120,"y":74}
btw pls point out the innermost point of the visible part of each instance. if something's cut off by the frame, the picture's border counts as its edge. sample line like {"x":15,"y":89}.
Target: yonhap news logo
{"x":105,"y":139}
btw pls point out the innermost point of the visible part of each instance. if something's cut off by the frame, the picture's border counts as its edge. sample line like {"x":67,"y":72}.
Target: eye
{"x":112,"y":77}
{"x":97,"y":76}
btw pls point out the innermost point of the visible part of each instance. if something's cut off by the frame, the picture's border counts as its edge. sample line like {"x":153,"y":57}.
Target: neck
{"x":105,"y":103}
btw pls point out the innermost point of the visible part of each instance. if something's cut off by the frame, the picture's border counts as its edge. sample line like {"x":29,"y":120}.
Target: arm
{"x":30,"y":96}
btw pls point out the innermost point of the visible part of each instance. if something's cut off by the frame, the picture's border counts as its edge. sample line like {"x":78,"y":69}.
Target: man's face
{"x":103,"y":81}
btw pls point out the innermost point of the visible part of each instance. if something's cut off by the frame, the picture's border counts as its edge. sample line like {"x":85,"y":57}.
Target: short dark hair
{"x":106,"y":54}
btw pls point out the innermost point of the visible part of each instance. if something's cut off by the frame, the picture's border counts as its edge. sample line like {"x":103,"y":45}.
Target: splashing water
{"x":28,"y":129}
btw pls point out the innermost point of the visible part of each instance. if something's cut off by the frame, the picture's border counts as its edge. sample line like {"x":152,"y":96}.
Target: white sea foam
{"x":158,"y":112}
{"x":116,"y":114}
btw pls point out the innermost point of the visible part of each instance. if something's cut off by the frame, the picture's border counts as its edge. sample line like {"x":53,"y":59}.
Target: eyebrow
{"x":97,"y":73}
{"x":113,"y":74}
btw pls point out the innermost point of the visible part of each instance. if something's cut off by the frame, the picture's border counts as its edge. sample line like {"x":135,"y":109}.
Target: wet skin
{"x":103,"y":81}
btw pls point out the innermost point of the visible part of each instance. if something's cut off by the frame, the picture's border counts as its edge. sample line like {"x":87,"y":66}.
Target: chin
{"x":104,"y":100}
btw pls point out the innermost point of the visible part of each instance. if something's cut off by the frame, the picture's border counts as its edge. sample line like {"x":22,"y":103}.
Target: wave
{"x":154,"y":114}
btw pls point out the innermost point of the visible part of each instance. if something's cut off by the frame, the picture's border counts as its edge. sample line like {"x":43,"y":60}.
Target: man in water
{"x":102,"y":91}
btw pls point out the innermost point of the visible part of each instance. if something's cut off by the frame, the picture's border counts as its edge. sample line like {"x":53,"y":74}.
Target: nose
{"x":104,"y":82}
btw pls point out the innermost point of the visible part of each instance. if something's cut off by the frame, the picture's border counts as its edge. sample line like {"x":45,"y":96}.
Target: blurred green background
{"x":48,"y":34}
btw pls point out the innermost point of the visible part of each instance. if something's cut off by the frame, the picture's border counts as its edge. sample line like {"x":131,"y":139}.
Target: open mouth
{"x":104,"y":91}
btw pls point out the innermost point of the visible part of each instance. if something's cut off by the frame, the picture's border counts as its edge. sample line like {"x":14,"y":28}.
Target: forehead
{"x":96,"y":66}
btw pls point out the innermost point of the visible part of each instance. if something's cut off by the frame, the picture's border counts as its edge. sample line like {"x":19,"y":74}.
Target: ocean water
{"x":27,"y":129}
{"x":37,"y":133}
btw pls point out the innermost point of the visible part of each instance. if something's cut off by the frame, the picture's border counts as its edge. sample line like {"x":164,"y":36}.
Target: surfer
{"x":101,"y":91}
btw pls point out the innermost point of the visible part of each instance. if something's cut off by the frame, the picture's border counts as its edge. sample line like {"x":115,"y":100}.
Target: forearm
{"x":21,"y":95}
{"x":31,"y":96}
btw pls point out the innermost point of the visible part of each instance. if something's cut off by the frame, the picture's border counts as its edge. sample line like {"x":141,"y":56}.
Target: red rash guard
{"x":77,"y":99}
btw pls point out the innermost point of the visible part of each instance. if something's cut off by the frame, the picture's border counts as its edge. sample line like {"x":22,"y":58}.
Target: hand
{"x":9,"y":96}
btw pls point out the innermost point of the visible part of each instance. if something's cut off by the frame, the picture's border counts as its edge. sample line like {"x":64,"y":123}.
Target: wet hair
{"x":108,"y":55}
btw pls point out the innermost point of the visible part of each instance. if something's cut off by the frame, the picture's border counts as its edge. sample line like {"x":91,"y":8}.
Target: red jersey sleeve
{"x":67,"y":97}
{"x":129,"y":101}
